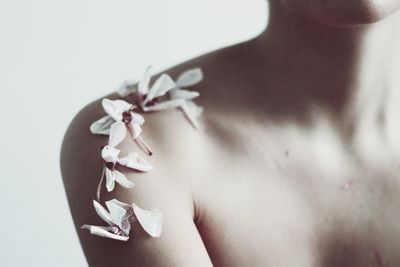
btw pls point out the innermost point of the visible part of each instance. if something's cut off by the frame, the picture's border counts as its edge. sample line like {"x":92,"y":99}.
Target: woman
{"x":295,"y":162}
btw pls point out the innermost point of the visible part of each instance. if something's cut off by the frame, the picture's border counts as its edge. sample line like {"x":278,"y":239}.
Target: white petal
{"x":102,"y":125}
{"x":189,"y":77}
{"x":117,"y":212}
{"x":137,"y":121}
{"x":123,"y":205}
{"x":137,"y":118}
{"x":134,"y":161}
{"x":110,"y":181}
{"x":143,"y":87}
{"x":117,"y":133}
{"x":183,"y":94}
{"x":102,"y":212}
{"x":162,"y":85}
{"x":128,"y":217}
{"x":196,"y":109}
{"x":115,"y":108}
{"x":168,"y":104}
{"x":103,"y":232}
{"x":110,"y":154}
{"x":136,"y":130}
{"x":191,"y":113}
{"x":126,"y":88}
{"x":150,"y":220}
{"x":122,"y":180}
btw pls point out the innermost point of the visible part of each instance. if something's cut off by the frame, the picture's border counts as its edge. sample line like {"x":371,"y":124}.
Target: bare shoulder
{"x":167,"y":188}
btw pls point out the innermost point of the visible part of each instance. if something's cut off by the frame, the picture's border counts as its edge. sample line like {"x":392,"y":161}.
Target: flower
{"x":119,"y":120}
{"x":163,"y":94}
{"x":148,"y":98}
{"x":119,"y":218}
{"x":188,"y":78}
{"x":111,"y":158}
{"x":114,"y":110}
{"x":145,"y":95}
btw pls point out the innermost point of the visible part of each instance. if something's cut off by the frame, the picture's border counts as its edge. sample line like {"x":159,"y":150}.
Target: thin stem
{"x":100,"y":183}
{"x":139,"y":140}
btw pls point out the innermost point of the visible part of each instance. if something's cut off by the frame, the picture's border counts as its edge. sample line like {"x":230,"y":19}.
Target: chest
{"x":298,"y":201}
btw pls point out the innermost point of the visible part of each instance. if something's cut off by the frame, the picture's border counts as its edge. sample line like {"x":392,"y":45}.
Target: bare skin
{"x":296,"y":162}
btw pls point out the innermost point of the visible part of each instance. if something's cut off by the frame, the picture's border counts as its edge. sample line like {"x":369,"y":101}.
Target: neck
{"x":335,"y":67}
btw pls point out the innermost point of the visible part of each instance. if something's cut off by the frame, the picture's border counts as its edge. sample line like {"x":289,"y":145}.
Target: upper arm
{"x":180,"y":243}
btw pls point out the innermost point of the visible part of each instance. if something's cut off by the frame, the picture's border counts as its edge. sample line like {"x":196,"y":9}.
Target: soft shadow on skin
{"x":344,"y":251}
{"x":223,"y":135}
{"x":264,"y":89}
{"x":350,"y":249}
{"x":273,"y":91}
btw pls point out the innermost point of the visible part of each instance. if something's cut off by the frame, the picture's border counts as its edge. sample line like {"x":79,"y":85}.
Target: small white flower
{"x":119,"y":218}
{"x":148,"y":98}
{"x":114,"y":110}
{"x":133,"y":160}
{"x":144,"y":95}
{"x":111,"y":158}
{"x":119,"y":120}
{"x":181,"y":98}
{"x":110,"y":154}
{"x":189,"y":107}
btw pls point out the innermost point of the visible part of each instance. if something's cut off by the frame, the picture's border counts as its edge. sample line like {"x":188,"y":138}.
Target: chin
{"x":342,"y":13}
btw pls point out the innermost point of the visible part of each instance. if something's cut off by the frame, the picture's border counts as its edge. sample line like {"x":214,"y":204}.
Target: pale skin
{"x":295,"y":163}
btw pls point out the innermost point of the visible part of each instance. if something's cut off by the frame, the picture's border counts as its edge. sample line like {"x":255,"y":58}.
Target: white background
{"x":57,"y":56}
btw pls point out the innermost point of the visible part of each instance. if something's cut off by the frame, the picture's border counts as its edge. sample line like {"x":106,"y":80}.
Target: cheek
{"x":343,"y":12}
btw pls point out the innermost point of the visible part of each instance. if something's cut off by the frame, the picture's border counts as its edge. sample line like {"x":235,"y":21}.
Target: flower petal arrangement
{"x":149,"y":98}
{"x":119,"y":218}
{"x":111,"y":159}
{"x":189,"y":107}
{"x":124,"y":119}
{"x":121,"y":119}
